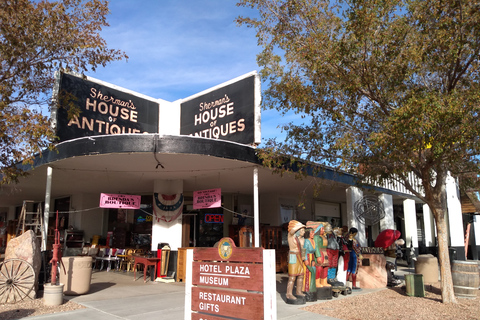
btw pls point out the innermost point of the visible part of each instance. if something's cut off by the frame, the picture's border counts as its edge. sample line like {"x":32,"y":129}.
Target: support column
{"x":410,"y":214}
{"x":256,"y":215}
{"x":46,"y":213}
{"x":167,"y":231}
{"x":355,"y":194}
{"x":455,"y":218}
{"x":388,"y":221}
{"x":429,"y":227}
{"x":476,"y":240}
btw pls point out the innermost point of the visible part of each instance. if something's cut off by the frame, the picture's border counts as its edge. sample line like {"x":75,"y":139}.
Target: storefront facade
{"x":164,"y":152}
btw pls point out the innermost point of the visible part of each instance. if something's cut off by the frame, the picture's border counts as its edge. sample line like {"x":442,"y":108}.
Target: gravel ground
{"x":394,"y":304}
{"x":30,"y":308}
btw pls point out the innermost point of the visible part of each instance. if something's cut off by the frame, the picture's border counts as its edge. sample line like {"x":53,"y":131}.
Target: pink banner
{"x":211,"y":198}
{"x":124,"y":201}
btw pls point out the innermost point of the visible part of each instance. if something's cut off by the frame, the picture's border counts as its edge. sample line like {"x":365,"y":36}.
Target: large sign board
{"x":227,"y":282}
{"x":104,"y":109}
{"x":230,"y":111}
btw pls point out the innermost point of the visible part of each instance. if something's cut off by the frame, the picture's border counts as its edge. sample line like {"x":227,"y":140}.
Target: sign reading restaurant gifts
{"x":230,"y":282}
{"x":104,"y":109}
{"x":229,"y":111}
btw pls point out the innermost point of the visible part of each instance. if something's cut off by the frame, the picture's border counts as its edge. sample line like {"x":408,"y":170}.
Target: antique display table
{"x":146,"y":261}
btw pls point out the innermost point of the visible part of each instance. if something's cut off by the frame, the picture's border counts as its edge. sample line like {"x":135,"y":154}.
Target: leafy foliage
{"x":36,"y":39}
{"x":385,"y":88}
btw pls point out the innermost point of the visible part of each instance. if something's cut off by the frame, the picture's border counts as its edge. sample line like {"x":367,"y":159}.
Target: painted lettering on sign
{"x":103,"y":110}
{"x":228,"y":275}
{"x":211,"y":198}
{"x":226,"y":113}
{"x":372,"y":250}
{"x":119,"y":201}
{"x":219,"y":302}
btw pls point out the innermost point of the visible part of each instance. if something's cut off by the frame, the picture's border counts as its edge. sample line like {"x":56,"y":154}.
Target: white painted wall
{"x":169,"y":118}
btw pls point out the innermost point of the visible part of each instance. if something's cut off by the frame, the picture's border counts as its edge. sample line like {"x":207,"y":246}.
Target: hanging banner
{"x":117,"y":201}
{"x":167,"y":207}
{"x":204,"y":199}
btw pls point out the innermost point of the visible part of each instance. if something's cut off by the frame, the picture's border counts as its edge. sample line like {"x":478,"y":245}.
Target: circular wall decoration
{"x":369,"y":210}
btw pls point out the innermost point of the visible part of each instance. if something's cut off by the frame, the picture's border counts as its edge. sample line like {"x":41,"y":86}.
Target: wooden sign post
{"x":229,"y":282}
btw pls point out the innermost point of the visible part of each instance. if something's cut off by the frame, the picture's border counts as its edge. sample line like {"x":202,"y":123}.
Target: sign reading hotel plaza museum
{"x":229,"y":111}
{"x":104,"y":109}
{"x":227,"y":282}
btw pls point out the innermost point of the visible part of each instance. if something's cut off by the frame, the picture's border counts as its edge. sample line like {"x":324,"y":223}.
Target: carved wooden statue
{"x":296,"y":231}
{"x":355,"y":257}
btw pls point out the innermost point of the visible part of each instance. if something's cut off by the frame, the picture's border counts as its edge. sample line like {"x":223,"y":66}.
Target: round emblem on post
{"x":225,"y":248}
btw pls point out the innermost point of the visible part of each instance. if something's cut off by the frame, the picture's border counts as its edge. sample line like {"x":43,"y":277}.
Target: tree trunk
{"x":448,"y":295}
{"x":439,"y":210}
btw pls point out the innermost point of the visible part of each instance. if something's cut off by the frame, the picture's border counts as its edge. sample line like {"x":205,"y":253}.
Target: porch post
{"x":256,"y":215}
{"x":46,"y":213}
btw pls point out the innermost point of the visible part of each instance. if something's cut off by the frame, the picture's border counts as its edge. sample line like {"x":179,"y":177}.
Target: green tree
{"x":36,"y":39}
{"x":387,"y":89}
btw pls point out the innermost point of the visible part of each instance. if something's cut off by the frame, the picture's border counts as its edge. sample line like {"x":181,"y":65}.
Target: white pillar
{"x":429,"y":226}
{"x":167,"y":231}
{"x":476,"y":229}
{"x":355,"y":194}
{"x":455,"y":219}
{"x":46,"y":214}
{"x":256,"y":215}
{"x":410,"y":214}
{"x":388,"y":221}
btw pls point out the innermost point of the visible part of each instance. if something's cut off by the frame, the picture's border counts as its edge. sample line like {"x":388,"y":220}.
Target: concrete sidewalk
{"x":115,"y":295}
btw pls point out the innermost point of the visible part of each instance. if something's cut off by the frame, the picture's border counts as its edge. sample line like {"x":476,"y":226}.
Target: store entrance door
{"x":189,"y":229}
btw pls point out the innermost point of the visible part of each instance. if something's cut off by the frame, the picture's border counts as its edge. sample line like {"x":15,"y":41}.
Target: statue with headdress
{"x":296,"y":231}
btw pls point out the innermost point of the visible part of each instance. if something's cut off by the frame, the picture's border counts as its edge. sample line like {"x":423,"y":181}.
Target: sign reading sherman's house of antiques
{"x":103,"y":109}
{"x":227,"y":112}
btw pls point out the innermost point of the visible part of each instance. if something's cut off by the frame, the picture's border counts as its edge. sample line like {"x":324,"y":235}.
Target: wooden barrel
{"x":478,"y":263}
{"x":465,"y":279}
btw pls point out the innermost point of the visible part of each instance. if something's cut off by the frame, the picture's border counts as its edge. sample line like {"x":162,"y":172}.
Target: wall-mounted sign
{"x":227,"y":282}
{"x":211,"y":198}
{"x":228,"y":112}
{"x":123,"y":201}
{"x":103,"y":109}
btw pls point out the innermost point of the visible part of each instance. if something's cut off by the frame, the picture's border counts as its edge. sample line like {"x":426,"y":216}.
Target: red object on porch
{"x":386,"y":238}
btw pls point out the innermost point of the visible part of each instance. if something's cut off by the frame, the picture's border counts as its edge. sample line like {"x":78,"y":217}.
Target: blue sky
{"x":179,"y":48}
